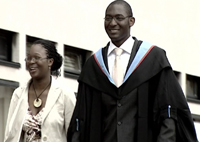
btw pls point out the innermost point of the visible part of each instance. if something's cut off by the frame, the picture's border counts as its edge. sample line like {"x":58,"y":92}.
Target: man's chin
{"x":114,"y":38}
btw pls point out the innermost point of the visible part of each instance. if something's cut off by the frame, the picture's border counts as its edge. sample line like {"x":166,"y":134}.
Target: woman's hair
{"x":52,"y":53}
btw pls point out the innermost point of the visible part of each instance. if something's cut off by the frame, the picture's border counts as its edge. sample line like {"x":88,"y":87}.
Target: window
{"x":74,"y":59}
{"x":29,"y":42}
{"x":5,"y":45}
{"x":193,"y":87}
{"x":9,"y":55}
{"x":6,"y":89}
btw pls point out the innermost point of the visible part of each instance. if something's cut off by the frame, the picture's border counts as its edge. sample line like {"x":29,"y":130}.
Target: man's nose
{"x":113,"y":21}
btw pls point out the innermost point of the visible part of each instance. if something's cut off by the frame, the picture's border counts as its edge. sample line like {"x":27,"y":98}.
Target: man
{"x":148,"y":104}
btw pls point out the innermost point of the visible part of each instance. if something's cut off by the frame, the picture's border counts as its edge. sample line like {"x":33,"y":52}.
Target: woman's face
{"x":37,"y":62}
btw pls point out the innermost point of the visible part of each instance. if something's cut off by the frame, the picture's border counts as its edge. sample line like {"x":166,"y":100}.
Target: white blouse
{"x":32,"y":126}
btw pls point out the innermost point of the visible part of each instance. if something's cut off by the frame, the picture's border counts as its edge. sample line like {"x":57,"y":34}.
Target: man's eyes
{"x":119,"y":18}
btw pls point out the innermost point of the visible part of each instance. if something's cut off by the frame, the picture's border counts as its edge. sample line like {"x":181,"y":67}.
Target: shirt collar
{"x":126,"y":46}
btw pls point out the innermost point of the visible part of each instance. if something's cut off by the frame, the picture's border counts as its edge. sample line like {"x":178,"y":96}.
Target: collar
{"x":126,"y":46}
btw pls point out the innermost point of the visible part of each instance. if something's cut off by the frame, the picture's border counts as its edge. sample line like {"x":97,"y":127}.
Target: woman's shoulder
{"x":19,"y":90}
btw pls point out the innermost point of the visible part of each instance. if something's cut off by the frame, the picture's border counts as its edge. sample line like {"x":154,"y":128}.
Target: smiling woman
{"x":39,"y":117}
{"x":37,"y":62}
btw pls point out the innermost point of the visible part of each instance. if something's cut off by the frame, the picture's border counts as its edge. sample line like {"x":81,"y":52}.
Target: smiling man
{"x":128,"y":91}
{"x":118,"y":20}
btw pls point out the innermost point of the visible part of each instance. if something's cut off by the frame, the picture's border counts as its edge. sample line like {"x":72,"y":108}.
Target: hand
{"x":31,"y":123}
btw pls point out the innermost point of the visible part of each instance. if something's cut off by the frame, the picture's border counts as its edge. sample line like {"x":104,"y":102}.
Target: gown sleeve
{"x":169,"y":93}
{"x":167,"y":131}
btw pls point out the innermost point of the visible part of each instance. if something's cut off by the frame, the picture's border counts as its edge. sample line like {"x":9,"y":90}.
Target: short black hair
{"x":125,"y":4}
{"x":52,"y":53}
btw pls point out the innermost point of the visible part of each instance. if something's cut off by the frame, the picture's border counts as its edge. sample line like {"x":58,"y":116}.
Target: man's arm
{"x":167,"y":131}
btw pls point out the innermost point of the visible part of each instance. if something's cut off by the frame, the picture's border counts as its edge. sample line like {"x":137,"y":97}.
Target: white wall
{"x":172,"y":25}
{"x":197,"y":126}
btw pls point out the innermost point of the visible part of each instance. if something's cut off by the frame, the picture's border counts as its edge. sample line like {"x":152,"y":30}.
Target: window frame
{"x":9,"y":36}
{"x":196,"y":88}
{"x":82,"y":54}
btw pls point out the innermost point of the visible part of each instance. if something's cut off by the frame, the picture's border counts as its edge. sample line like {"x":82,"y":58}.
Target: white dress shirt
{"x":127,"y":48}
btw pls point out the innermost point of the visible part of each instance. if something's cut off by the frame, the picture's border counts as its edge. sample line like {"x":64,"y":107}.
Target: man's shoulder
{"x":155,"y":49}
{"x":158,"y":55}
{"x":154,"y":54}
{"x":158,"y":52}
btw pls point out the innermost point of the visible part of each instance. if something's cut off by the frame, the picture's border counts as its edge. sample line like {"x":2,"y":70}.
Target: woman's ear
{"x":131,"y":21}
{"x":50,"y":62}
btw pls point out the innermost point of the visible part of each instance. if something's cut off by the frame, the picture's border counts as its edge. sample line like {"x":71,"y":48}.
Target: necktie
{"x":117,"y":73}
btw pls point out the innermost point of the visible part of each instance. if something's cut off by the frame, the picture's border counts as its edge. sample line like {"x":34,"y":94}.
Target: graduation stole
{"x":143,"y":51}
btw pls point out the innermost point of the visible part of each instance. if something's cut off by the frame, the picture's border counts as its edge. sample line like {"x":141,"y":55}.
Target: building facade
{"x":77,"y":29}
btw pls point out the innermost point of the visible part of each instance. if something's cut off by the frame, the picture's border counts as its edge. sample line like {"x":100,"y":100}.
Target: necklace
{"x":38,"y":102}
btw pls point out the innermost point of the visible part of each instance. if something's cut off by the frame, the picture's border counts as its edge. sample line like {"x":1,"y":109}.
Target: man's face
{"x":117,"y":24}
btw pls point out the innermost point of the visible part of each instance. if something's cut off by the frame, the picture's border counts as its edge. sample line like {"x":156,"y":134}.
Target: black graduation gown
{"x":159,"y":97}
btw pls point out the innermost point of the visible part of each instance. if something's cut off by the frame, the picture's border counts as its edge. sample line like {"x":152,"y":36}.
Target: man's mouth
{"x":113,"y":30}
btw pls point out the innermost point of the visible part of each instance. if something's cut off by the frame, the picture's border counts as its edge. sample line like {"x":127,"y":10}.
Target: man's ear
{"x":131,"y":21}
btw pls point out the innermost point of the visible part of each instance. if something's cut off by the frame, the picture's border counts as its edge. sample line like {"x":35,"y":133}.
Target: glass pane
{"x":28,"y":46}
{"x":191,"y":87}
{"x":3,"y":49}
{"x":72,"y":61}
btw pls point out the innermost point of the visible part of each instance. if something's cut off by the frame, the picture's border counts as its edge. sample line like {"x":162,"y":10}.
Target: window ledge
{"x":71,"y":74}
{"x":10,"y":64}
{"x":194,"y":100}
{"x":196,"y":117}
{"x":12,"y":84}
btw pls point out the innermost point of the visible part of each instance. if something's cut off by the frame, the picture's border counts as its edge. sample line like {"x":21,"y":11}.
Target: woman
{"x":41,"y":110}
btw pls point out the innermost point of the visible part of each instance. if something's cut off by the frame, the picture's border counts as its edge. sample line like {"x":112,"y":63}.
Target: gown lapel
{"x":137,"y":56}
{"x":52,"y":97}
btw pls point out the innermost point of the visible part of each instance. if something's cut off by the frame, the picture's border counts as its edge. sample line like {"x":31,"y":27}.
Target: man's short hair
{"x":125,"y":4}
